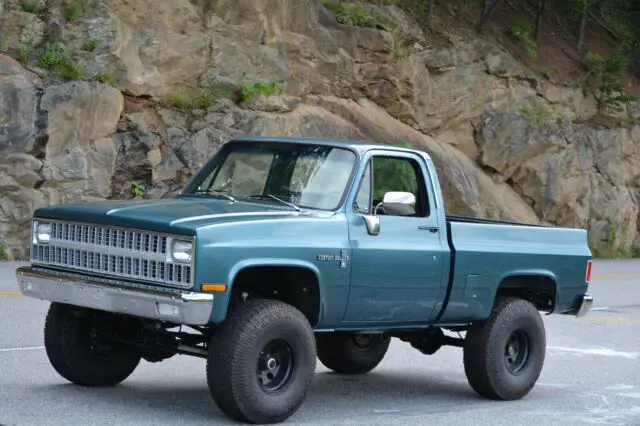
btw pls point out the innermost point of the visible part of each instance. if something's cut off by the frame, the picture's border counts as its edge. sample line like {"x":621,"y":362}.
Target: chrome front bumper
{"x":176,"y":307}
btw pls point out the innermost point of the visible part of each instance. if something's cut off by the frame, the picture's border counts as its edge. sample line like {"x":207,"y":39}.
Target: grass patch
{"x":57,"y":60}
{"x":249,"y":91}
{"x":205,"y":99}
{"x":546,"y":73}
{"x":537,"y":115}
{"x":354,"y":14}
{"x":3,"y":253}
{"x":90,"y":45}
{"x":31,"y":6}
{"x":107,"y":77}
{"x":74,"y":10}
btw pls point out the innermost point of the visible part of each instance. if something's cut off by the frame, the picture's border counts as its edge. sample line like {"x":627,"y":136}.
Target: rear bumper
{"x":177,"y":307}
{"x":583,"y":306}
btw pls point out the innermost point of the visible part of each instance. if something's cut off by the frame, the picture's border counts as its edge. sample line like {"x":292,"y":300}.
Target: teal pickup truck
{"x":282,"y":251}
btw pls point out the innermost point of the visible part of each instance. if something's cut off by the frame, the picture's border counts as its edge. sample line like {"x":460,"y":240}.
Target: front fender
{"x":222,"y":307}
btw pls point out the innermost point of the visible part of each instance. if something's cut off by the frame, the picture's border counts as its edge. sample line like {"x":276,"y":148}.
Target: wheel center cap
{"x":272,"y":363}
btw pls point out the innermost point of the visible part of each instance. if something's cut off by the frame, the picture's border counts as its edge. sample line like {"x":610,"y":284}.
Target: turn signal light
{"x":214,"y":288}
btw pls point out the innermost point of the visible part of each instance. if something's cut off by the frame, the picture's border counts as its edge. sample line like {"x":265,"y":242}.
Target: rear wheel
{"x":504,"y":356}
{"x":76,"y":346}
{"x":261,"y":362}
{"x":350,"y":353}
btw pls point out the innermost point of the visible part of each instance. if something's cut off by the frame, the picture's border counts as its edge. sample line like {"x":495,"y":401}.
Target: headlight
{"x":43,"y":232}
{"x":181,"y":251}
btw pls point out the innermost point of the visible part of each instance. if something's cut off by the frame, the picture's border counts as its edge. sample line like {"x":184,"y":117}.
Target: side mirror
{"x":397,"y":197}
{"x":390,"y":198}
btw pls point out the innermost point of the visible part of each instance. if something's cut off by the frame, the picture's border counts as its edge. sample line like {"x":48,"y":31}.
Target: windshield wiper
{"x":215,"y":192}
{"x":277,"y":199}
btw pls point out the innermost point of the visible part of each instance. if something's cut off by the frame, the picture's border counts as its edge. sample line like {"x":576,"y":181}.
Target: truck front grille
{"x":111,"y":251}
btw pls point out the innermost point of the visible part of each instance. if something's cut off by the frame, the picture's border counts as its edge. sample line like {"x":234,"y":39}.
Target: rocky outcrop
{"x":160,"y":92}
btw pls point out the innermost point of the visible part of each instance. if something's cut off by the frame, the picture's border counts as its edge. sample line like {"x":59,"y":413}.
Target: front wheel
{"x":261,"y":362}
{"x":77,"y":349}
{"x":503,"y":356}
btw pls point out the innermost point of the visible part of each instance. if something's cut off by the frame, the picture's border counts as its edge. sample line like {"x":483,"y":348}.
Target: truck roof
{"x":358,"y":145}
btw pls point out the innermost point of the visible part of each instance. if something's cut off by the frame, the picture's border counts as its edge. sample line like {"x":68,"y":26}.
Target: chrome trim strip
{"x":179,"y":308}
{"x":232,"y":215}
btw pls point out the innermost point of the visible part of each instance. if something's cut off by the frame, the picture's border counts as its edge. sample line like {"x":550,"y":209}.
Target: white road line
{"x":598,"y":351}
{"x":31,"y":348}
{"x":605,"y":308}
{"x":630,"y":395}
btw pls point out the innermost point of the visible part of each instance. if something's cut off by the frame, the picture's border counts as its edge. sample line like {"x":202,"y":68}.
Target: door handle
{"x":432,"y":229}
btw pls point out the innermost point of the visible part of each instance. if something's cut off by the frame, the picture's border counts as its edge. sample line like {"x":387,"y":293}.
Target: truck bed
{"x":486,"y":253}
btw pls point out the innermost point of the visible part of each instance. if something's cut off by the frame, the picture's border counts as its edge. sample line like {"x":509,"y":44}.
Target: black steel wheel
{"x":261,"y":362}
{"x":275,"y":366}
{"x":351,"y":353}
{"x":517,"y":351}
{"x":79,"y":349}
{"x":504,"y":355}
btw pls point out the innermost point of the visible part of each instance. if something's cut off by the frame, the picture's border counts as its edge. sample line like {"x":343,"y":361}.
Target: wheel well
{"x":537,"y":289}
{"x":297,"y":286}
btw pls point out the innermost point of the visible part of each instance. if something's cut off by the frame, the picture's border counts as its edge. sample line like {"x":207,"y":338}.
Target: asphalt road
{"x":591,"y":376}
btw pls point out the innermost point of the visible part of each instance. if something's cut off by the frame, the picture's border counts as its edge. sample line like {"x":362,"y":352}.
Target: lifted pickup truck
{"x":282,"y":251}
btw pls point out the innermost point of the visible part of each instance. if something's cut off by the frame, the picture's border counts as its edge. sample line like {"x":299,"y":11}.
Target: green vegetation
{"x":537,"y":115}
{"x":354,"y":14}
{"x":393,"y":175}
{"x":523,"y":32}
{"x":203,"y":100}
{"x":249,"y":91}
{"x":607,"y":75}
{"x":611,"y":247}
{"x":3,"y":254}
{"x":137,"y":189}
{"x":107,"y":77}
{"x":56,"y":58}
{"x":546,"y":73}
{"x":26,"y":53}
{"x":31,"y":6}
{"x":90,"y":45}
{"x":74,"y":11}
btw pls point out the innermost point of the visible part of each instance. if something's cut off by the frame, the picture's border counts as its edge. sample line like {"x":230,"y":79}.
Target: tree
{"x":489,"y":6}
{"x":430,"y":14}
{"x":540,"y":7}
{"x":585,"y":6}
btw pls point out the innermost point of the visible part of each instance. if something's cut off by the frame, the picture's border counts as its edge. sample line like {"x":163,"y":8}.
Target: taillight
{"x":588,"y":271}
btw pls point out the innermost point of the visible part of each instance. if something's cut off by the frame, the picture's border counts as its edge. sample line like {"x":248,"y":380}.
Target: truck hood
{"x":177,"y":215}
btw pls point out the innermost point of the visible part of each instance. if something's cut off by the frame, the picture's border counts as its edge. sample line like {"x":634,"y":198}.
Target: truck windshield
{"x":298,"y":175}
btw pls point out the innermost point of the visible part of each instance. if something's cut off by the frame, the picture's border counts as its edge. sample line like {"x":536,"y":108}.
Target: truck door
{"x":397,"y":272}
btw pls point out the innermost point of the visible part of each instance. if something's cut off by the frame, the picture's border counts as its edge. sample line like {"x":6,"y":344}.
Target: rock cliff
{"x":100,"y":95}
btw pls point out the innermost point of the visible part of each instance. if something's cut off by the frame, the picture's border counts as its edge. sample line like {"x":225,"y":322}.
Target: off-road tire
{"x":68,"y":347}
{"x":341,"y":352}
{"x":234,"y":360}
{"x":486,"y":351}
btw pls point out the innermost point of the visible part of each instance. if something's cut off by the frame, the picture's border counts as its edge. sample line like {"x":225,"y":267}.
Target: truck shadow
{"x":332,"y":396}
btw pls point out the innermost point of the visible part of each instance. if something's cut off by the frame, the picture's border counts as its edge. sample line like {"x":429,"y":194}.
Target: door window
{"x":396,"y":174}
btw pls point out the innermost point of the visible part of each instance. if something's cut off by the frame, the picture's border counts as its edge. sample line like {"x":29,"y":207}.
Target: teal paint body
{"x":405,"y":277}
